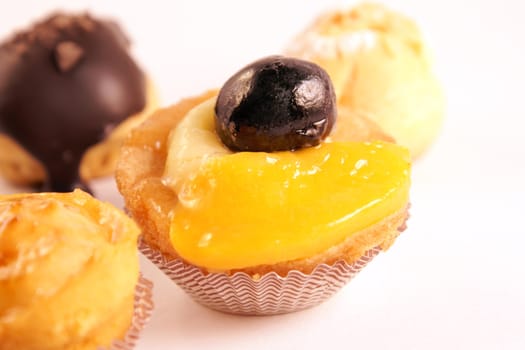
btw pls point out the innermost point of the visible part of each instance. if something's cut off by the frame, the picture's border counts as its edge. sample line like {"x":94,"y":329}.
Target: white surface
{"x":455,"y":278}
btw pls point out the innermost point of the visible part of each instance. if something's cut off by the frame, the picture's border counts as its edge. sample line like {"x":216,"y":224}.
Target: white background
{"x":455,"y":279}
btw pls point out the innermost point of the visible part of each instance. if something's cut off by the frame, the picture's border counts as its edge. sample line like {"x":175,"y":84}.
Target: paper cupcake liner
{"x":143,"y":307}
{"x":269,"y":295}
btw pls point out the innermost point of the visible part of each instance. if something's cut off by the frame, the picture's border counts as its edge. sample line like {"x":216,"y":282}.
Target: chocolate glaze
{"x":63,"y":85}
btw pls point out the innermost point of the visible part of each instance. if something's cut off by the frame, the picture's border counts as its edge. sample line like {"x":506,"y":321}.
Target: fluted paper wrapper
{"x":270,"y":294}
{"x":143,"y":307}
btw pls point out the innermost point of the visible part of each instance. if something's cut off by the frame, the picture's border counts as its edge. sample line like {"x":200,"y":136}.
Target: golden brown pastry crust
{"x":139,"y":178}
{"x":68,"y":270}
{"x":19,"y":167}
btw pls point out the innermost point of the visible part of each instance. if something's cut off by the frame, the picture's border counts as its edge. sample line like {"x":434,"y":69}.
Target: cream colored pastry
{"x":68,"y":270}
{"x":379,"y":66}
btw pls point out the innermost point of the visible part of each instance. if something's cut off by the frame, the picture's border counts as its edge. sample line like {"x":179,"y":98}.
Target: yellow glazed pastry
{"x":225,"y":210}
{"x":380,"y":66}
{"x":263,"y":197}
{"x":290,"y":205}
{"x":68,"y":270}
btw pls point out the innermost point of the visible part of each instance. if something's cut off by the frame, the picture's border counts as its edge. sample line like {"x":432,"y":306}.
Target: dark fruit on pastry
{"x":276,"y":103}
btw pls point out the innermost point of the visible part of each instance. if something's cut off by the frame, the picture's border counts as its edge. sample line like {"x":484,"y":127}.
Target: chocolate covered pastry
{"x":65,"y":84}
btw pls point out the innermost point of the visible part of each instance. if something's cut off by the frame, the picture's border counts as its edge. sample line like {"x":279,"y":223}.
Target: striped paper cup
{"x":143,"y":307}
{"x":270,"y":294}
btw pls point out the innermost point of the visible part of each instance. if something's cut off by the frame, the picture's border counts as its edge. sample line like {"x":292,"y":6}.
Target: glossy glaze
{"x":276,"y":103}
{"x":251,"y":208}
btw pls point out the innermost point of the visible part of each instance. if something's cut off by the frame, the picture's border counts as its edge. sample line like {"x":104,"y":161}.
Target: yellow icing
{"x":250,"y":208}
